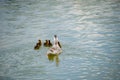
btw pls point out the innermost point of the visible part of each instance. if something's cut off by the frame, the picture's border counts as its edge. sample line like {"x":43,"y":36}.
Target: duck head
{"x":47,"y":42}
{"x":39,"y":41}
{"x":55,"y":36}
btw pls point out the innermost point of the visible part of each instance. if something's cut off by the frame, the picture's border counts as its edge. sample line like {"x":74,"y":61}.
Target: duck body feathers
{"x":37,"y":46}
{"x":54,"y":50}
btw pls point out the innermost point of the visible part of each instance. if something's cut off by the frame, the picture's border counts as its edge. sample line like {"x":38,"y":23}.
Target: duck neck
{"x":55,"y":41}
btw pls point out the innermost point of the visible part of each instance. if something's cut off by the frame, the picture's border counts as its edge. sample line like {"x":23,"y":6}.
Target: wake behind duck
{"x":55,"y":49}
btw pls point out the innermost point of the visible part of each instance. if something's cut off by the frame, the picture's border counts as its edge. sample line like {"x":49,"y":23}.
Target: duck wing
{"x":54,"y":50}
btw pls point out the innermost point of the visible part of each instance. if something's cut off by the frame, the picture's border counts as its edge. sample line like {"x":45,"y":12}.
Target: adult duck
{"x":55,"y":49}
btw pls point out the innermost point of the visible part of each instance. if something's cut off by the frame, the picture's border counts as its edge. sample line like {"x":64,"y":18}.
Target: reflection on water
{"x":54,"y":58}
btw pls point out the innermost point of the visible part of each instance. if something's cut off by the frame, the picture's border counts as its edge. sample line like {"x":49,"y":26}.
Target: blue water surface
{"x":89,"y":32}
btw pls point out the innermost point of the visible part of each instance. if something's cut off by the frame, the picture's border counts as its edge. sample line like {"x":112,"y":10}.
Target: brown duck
{"x":47,"y":43}
{"x":37,"y":46}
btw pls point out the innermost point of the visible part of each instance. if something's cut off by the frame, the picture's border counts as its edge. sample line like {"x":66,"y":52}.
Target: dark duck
{"x":47,"y":43}
{"x":37,"y":46}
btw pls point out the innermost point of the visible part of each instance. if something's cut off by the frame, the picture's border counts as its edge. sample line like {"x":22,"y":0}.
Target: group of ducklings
{"x":47,"y":43}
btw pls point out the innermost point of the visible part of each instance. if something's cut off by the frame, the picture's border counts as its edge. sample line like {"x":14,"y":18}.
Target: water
{"x":89,"y":31}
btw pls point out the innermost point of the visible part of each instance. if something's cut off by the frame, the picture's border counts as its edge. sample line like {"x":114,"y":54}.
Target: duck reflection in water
{"x":53,"y":57}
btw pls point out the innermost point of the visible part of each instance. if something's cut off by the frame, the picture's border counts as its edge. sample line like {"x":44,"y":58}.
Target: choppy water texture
{"x":89,"y":31}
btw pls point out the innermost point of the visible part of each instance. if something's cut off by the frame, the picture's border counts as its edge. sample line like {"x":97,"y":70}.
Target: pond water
{"x":89,"y":32}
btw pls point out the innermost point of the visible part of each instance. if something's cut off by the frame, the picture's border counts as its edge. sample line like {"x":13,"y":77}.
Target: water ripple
{"x":88,"y":31}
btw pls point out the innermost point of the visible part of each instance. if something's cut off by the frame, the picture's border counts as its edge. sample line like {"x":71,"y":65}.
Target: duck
{"x":39,"y":42}
{"x":55,"y":49}
{"x":37,"y":46}
{"x":50,"y":44}
{"x":47,"y":43}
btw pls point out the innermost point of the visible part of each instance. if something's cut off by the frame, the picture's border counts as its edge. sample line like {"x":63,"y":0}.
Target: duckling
{"x":47,"y":43}
{"x":39,"y":42}
{"x":37,"y":46}
{"x":50,"y":44}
